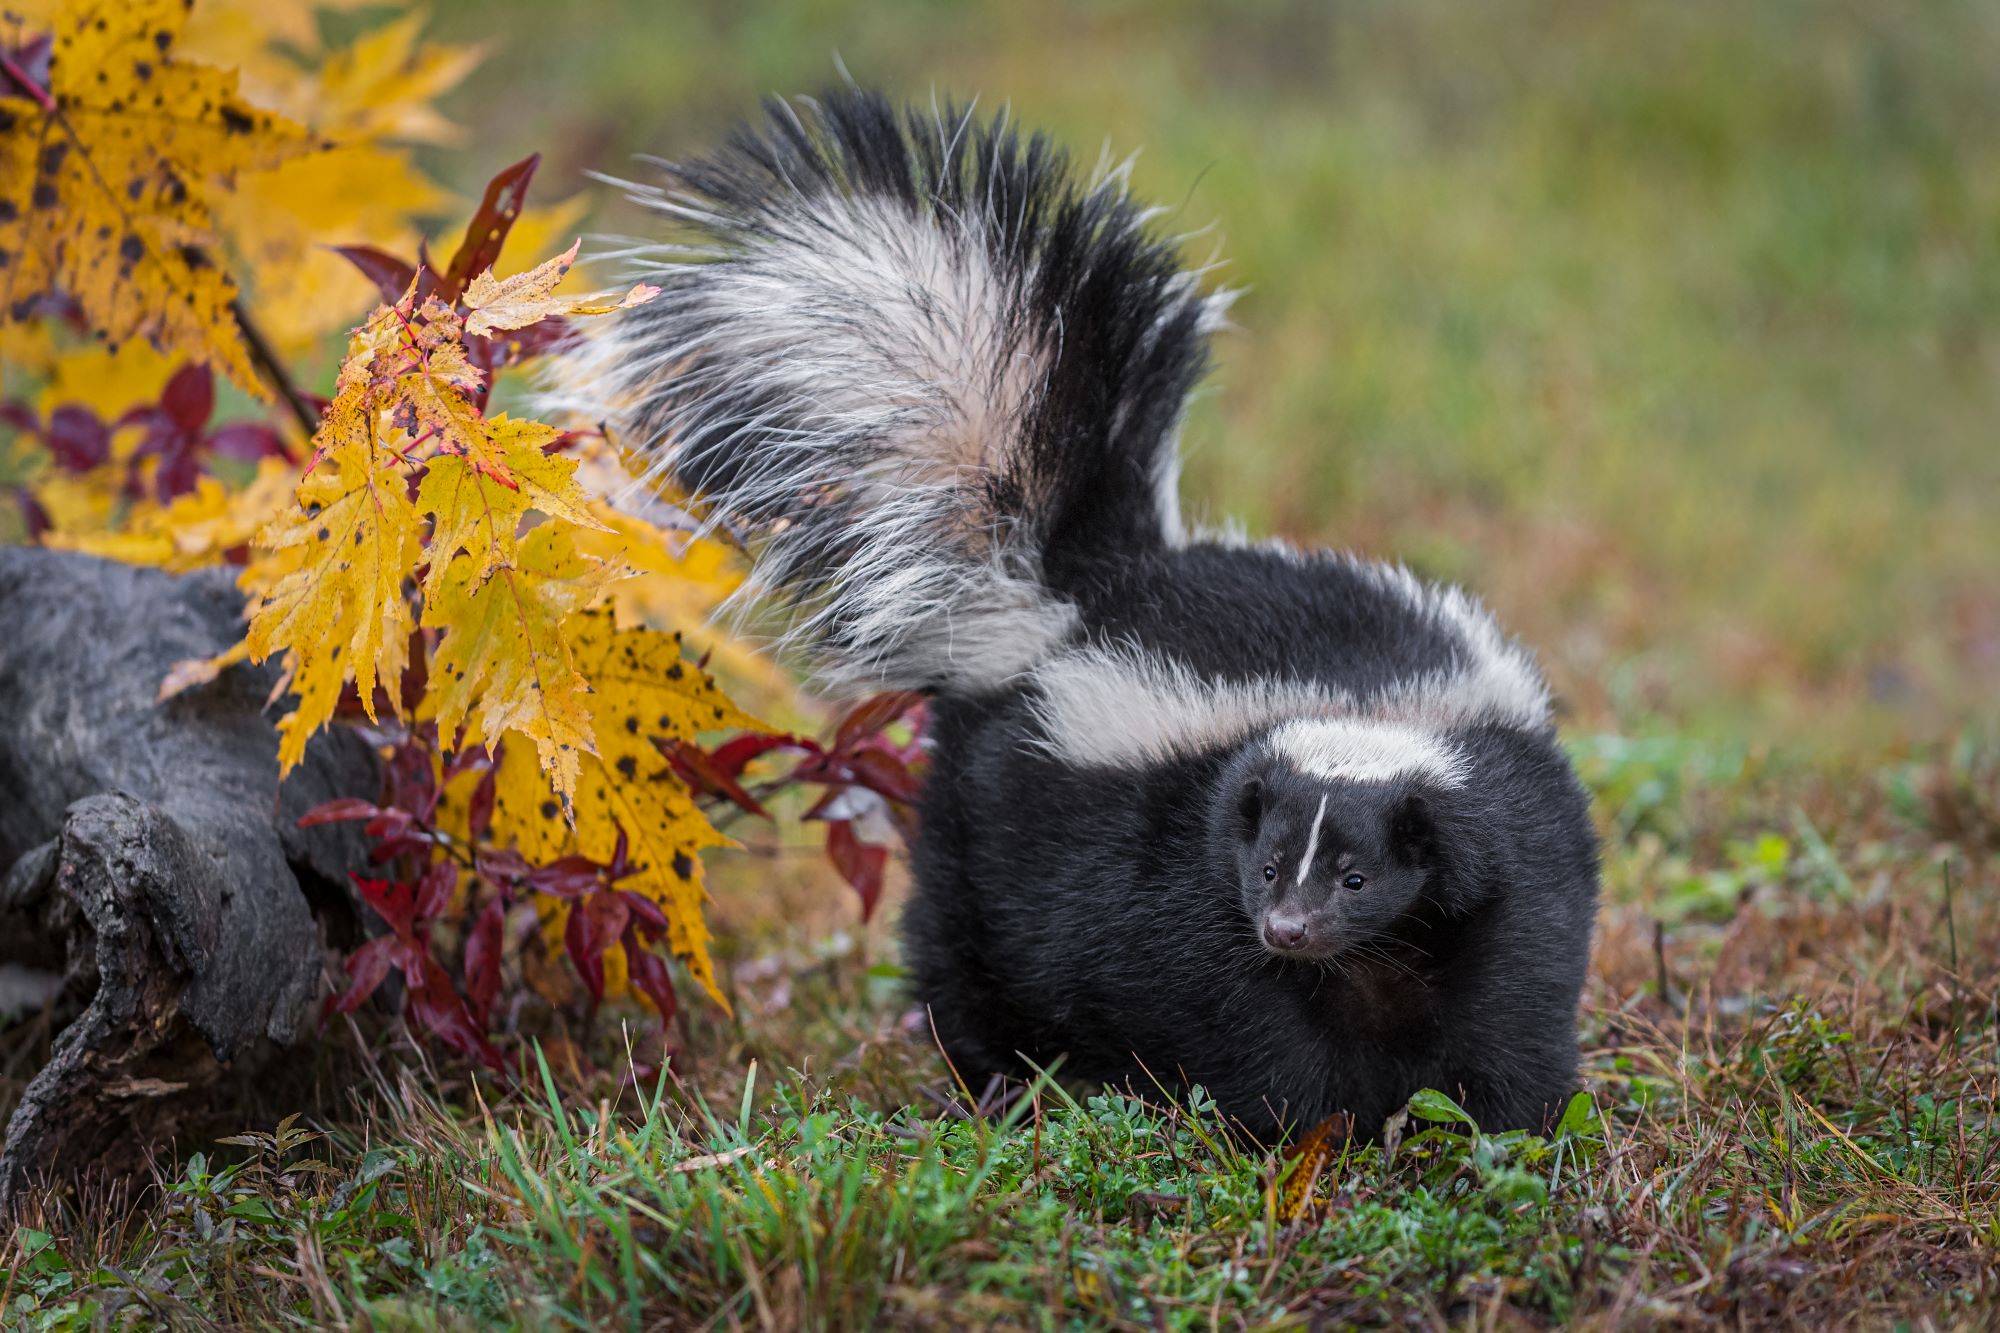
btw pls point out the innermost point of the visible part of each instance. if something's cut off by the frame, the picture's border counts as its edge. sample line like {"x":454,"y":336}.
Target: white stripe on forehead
{"x":1312,"y":843}
{"x":1364,"y":750}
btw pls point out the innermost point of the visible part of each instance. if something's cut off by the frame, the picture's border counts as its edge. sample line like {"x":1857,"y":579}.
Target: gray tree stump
{"x":149,"y":862}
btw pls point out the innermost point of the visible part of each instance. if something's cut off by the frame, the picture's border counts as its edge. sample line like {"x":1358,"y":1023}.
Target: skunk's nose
{"x":1284,"y":932}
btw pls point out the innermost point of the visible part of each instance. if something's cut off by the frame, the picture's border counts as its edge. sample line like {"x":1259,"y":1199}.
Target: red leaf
{"x":436,"y":1007}
{"x":570,"y":877}
{"x":247,"y":441}
{"x":482,"y":960}
{"x":77,"y":437}
{"x":703,"y":774}
{"x":32,"y":513}
{"x":645,"y":911}
{"x":594,"y":926}
{"x":487,"y":231}
{"x":880,"y":771}
{"x":338,"y":811}
{"x":733,"y":756}
{"x":649,"y":973}
{"x":858,"y":862}
{"x":366,"y":967}
{"x":871,"y":715}
{"x":189,"y":398}
{"x":391,"y":276}
{"x":501,"y":867}
{"x":392,"y":901}
{"x":388,"y":824}
{"x":479,"y":810}
{"x":620,"y":865}
{"x":434,"y":890}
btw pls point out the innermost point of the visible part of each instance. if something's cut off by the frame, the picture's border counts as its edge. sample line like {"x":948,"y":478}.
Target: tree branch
{"x":273,"y":370}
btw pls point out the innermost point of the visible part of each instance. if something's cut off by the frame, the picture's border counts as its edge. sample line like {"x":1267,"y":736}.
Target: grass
{"x":1667,"y":327}
{"x":1792,"y":1053}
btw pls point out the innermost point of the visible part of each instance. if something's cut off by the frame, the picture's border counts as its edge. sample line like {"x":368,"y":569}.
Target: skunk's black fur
{"x":1292,"y":826}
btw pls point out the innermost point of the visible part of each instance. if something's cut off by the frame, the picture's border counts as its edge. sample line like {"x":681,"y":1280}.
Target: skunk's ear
{"x":1250,"y":808}
{"x":1413,"y":831}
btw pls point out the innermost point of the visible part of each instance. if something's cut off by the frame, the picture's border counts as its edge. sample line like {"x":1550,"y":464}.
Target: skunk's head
{"x":1334,"y":827}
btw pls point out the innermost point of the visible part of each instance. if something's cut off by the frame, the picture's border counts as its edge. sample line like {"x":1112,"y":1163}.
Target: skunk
{"x":1289,"y":825}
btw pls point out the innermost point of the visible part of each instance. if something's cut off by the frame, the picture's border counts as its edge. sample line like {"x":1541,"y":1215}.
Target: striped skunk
{"x":1290,"y":825}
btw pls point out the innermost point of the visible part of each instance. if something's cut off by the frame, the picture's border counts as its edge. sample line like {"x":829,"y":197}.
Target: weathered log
{"x":149,"y":856}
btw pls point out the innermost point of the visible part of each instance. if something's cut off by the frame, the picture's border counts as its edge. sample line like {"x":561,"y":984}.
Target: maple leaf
{"x":106,"y":172}
{"x":283,"y":221}
{"x":381,"y":85}
{"x":529,"y":298}
{"x":643,"y":687}
{"x":679,"y":580}
{"x":329,"y":593}
{"x":476,"y":514}
{"x":197,"y":528}
{"x":502,"y":662}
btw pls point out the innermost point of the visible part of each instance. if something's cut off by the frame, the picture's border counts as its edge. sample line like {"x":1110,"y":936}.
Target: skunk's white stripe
{"x":1353,"y":749}
{"x":1312,"y":843}
{"x":1122,"y":708}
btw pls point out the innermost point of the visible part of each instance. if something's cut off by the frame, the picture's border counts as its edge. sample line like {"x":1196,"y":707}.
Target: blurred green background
{"x":1670,"y":328}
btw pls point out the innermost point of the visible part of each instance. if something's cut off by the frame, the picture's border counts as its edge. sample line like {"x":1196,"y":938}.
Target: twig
{"x":266,"y":361}
{"x":29,"y":88}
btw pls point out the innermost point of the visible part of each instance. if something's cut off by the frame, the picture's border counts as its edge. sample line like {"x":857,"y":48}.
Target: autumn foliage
{"x":190,"y":197}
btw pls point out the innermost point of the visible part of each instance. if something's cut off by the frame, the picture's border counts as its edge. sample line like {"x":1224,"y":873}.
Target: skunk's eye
{"x":1354,"y":881}
{"x":1270,"y":871}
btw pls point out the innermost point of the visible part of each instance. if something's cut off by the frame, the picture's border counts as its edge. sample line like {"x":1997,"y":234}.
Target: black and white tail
{"x":930,"y":375}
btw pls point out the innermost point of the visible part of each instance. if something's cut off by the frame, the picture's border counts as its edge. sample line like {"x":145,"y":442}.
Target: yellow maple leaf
{"x":329,"y":593}
{"x":106,"y":182}
{"x":284,"y":222}
{"x":643,"y":686}
{"x":195,"y":529}
{"x":678,"y":582}
{"x":476,"y":514}
{"x":382,"y":84}
{"x":107,"y":382}
{"x":528,"y":298}
{"x":365,"y":191}
{"x":502,"y":662}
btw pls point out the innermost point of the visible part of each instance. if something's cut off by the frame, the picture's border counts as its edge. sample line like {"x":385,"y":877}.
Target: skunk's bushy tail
{"x":929,"y":374}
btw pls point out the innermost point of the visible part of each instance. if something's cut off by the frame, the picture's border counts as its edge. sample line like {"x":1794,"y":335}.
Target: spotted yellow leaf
{"x":105,"y":181}
{"x":643,"y":687}
{"x":502,"y":662}
{"x":328,"y":593}
{"x":477,"y":514}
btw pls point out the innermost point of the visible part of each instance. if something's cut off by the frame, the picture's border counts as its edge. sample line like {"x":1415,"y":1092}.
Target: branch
{"x":266,"y":361}
{"x":29,"y":87}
